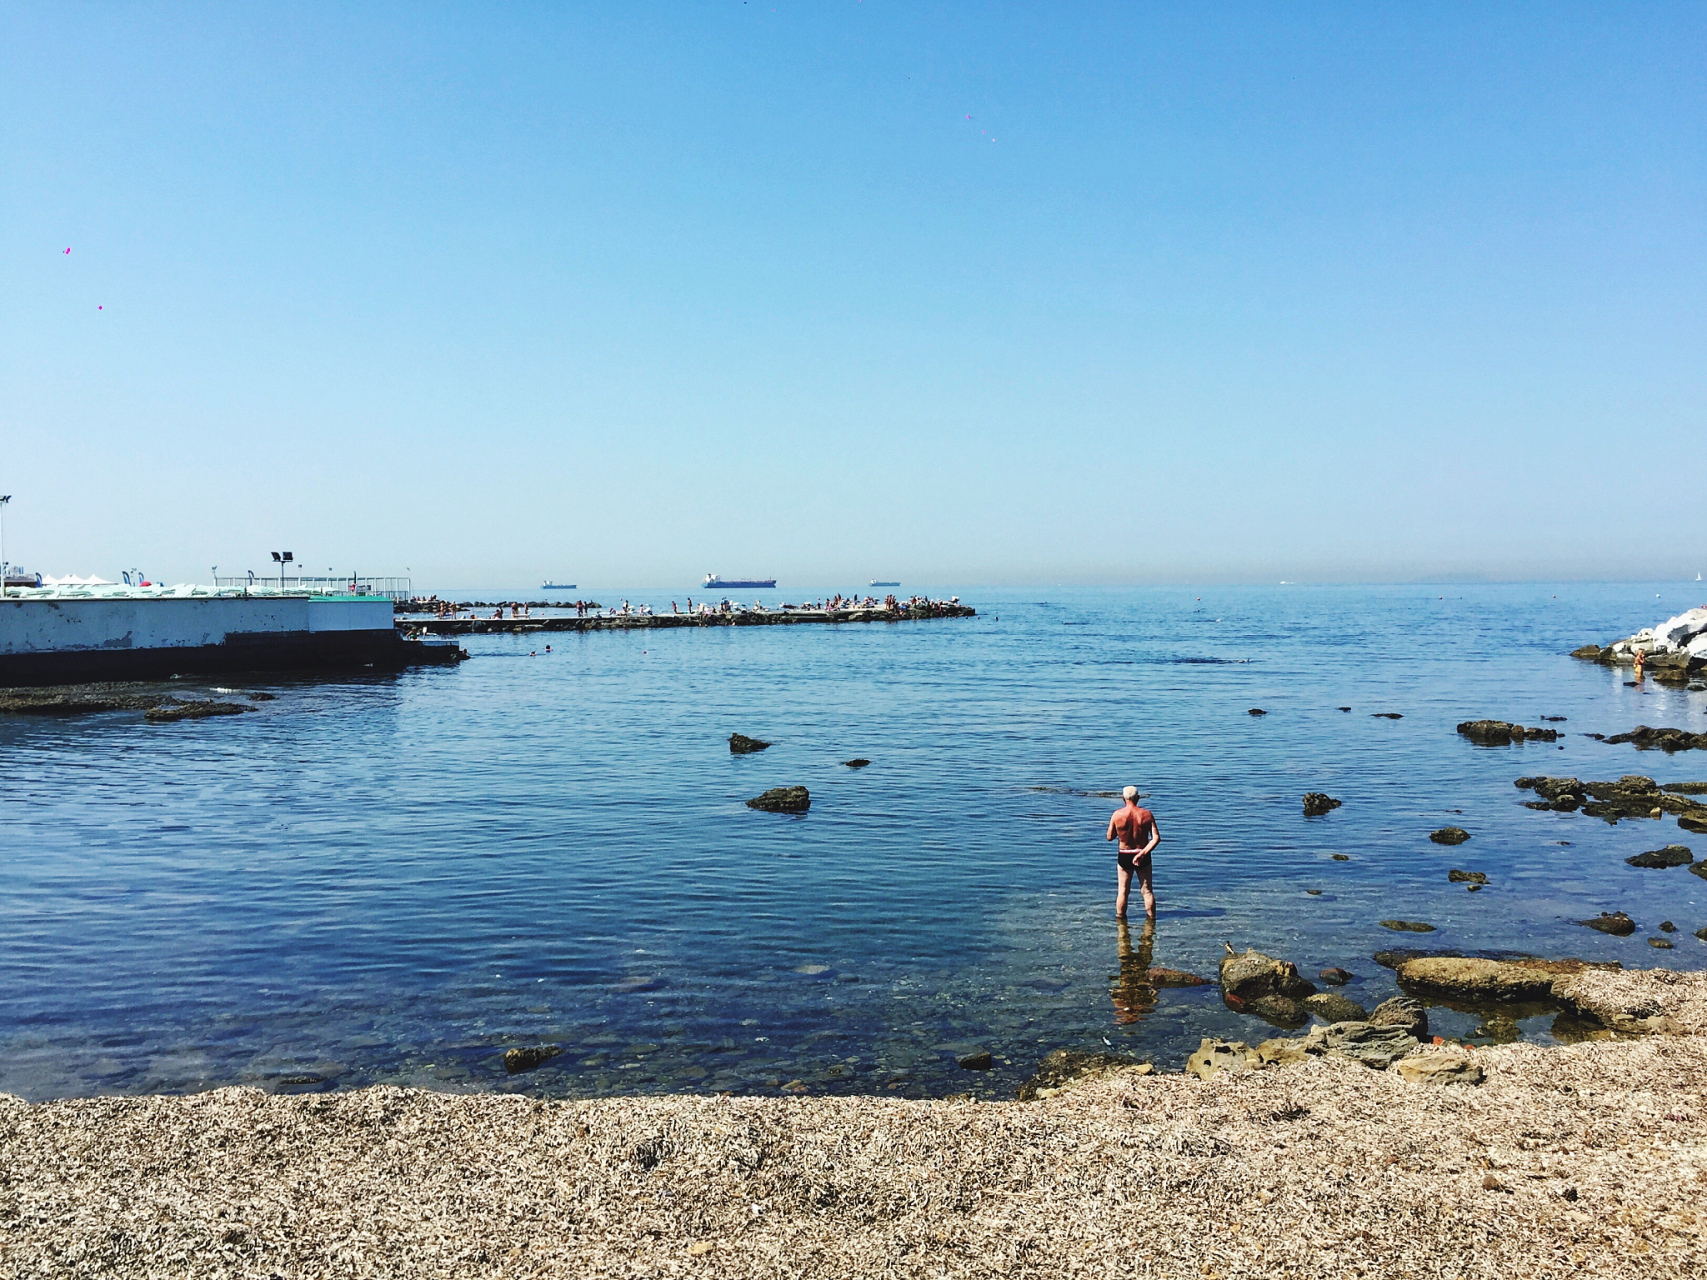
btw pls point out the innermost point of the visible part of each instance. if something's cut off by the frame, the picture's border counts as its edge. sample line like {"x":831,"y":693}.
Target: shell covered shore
{"x":1581,"y":1160}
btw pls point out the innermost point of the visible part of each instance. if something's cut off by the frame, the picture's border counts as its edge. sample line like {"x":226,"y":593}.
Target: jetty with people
{"x":434,"y":617}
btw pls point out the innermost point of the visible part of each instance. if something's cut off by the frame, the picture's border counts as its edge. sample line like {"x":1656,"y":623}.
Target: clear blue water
{"x":395,"y":879}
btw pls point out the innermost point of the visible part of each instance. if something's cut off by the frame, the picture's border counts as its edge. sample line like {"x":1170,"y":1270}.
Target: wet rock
{"x":1342,"y":857}
{"x":1402,"y":1012}
{"x":1449,"y":835}
{"x":262,"y":697}
{"x":1174,"y":978}
{"x":1666,"y":926}
{"x":978,"y":1061}
{"x":1667,"y":740}
{"x":80,"y":699}
{"x":741,"y":745}
{"x":1331,"y":1007}
{"x":1252,"y":975}
{"x":170,"y":711}
{"x":858,"y":762}
{"x":1592,"y":653}
{"x":1388,"y":715}
{"x":1282,"y":1011}
{"x":1345,"y":708}
{"x":1614,"y":922}
{"x":1702,"y":934}
{"x":1495,"y":733}
{"x":1664,"y":944}
{"x":1256,"y":711}
{"x":1698,"y":869}
{"x":1696,"y":826}
{"x":1456,"y":876}
{"x":1470,"y":979}
{"x":1215,"y":1056}
{"x":1375,"y":1045}
{"x":1499,"y":1029}
{"x":1316,"y":804}
{"x":1632,"y":796}
{"x":1686,"y":788}
{"x":516,"y":1060}
{"x":1408,"y":926}
{"x":782,"y":800}
{"x":1336,"y":977}
{"x":1673,"y":855}
{"x":1067,"y":1066}
{"x":1439,"y":1069}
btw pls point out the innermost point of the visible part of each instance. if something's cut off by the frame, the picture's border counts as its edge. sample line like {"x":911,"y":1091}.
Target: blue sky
{"x":953,"y":293}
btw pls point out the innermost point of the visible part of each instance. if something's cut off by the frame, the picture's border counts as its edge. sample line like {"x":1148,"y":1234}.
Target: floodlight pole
{"x":4,"y":499}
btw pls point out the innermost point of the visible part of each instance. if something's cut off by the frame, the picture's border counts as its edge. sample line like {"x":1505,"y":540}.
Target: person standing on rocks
{"x":1136,"y":829}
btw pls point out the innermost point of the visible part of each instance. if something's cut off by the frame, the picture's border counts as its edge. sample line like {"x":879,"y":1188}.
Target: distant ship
{"x":712,"y":580}
{"x":876,"y":583}
{"x":557,"y":586}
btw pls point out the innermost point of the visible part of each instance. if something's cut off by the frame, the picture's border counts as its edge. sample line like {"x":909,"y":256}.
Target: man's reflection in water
{"x":1132,"y":993}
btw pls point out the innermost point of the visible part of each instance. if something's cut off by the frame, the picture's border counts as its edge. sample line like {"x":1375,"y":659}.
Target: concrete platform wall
{"x":29,"y":627}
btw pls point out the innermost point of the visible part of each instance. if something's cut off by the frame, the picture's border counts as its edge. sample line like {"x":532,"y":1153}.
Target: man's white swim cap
{"x":1129,"y":793}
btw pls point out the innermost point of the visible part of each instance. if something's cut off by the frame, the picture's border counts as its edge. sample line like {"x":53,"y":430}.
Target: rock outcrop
{"x":1674,"y":650}
{"x":1616,"y":923}
{"x":1404,"y":1013}
{"x":1330,"y":1006}
{"x":1632,"y":796}
{"x":1667,"y":740}
{"x":527,"y":1059}
{"x":1064,"y":1067}
{"x":1252,"y":975}
{"x":1455,"y":876}
{"x":170,"y":711}
{"x":782,"y":800}
{"x":1673,"y":855}
{"x":1408,"y":926}
{"x":741,"y":745}
{"x":1316,"y":804}
{"x":1439,"y":1068}
{"x":1449,"y":835}
{"x":1498,"y":733}
{"x":1478,"y":981}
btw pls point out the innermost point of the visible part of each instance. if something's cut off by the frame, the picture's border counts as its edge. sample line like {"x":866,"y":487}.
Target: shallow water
{"x":395,"y":879}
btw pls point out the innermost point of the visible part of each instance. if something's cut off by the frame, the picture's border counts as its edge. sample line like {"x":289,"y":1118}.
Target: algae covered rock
{"x":1449,"y":835}
{"x":1408,"y":926}
{"x":741,"y":745}
{"x":1673,"y":855}
{"x":1471,"y":979}
{"x":1317,"y":803}
{"x":1616,"y":923}
{"x":1067,"y":1066}
{"x":782,"y":800}
{"x":527,"y":1059}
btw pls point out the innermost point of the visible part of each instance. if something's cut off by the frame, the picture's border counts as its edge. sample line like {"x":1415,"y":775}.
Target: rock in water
{"x":1673,"y":855}
{"x":1174,"y":978}
{"x":1456,"y":876}
{"x":1316,"y":804}
{"x":1667,"y":740}
{"x":1495,"y":733}
{"x":1256,"y":711}
{"x":741,"y":745}
{"x":1439,"y":1069}
{"x":1064,"y":1066}
{"x":1282,"y":1011}
{"x":1253,"y":975}
{"x":782,"y":800}
{"x":527,"y":1059}
{"x":1402,"y":1012}
{"x":1473,"y":979}
{"x":979,"y":1061}
{"x":858,"y":762}
{"x":1665,"y":944}
{"x":1408,"y":926}
{"x":1336,"y":977}
{"x":1614,"y":922}
{"x":1331,"y":1007}
{"x":193,"y":711}
{"x":1215,"y":1056}
{"x":1449,"y":835}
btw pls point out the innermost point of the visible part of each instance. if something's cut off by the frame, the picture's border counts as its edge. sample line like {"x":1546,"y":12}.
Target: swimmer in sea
{"x":1135,"y":827}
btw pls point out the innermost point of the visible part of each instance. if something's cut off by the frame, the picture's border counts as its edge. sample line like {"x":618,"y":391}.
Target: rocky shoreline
{"x":1576,"y":1160}
{"x":1674,"y":652}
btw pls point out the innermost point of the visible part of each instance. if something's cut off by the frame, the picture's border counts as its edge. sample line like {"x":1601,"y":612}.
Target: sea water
{"x":396,"y":878}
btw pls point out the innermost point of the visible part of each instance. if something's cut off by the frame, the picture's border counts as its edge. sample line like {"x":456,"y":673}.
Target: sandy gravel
{"x":1587,"y":1160}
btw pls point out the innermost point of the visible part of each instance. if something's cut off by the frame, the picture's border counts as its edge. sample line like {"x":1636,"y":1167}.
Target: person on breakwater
{"x":1136,"y":829}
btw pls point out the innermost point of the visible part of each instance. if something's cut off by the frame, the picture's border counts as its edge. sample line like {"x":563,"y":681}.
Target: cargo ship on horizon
{"x":712,"y":580}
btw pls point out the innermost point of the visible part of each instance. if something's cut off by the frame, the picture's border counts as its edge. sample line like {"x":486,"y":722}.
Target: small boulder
{"x":1408,"y":926}
{"x":1215,"y":1056}
{"x":1316,"y":804}
{"x":1282,"y":1011}
{"x":1439,"y":1069}
{"x":1332,"y":1007}
{"x":1404,"y":1013}
{"x":1616,"y":923}
{"x":1490,"y":733}
{"x":1256,"y":711}
{"x":858,"y":762}
{"x":527,"y":1059}
{"x":1664,"y":944}
{"x":1283,"y":1051}
{"x":1666,"y":926}
{"x":978,"y":1061}
{"x":1336,"y":977}
{"x":1160,"y":977}
{"x":1375,"y":1045}
{"x":1673,"y":855}
{"x":1449,"y":835}
{"x":1456,"y":876}
{"x":1251,"y":975}
{"x":741,"y":745}
{"x":782,"y":800}
{"x":1066,"y":1066}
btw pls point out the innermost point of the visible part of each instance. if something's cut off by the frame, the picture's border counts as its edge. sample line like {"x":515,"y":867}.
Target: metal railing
{"x":343,"y":585}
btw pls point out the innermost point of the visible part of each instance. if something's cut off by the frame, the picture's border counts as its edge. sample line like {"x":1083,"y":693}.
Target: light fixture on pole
{"x":282,"y":558}
{"x":4,"y":567}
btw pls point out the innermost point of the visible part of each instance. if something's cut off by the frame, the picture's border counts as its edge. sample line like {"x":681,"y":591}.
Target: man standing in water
{"x":1136,"y":829}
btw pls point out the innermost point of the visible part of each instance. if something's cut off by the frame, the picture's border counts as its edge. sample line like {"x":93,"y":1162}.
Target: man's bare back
{"x":1135,"y":828}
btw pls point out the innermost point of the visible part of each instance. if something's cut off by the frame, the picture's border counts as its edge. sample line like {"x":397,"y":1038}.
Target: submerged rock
{"x":1449,"y":835}
{"x":1066,"y":1066}
{"x":1668,"y":740}
{"x":1174,"y":978}
{"x":1471,"y":979}
{"x":527,"y":1059}
{"x":1388,"y":715}
{"x":1456,"y":876}
{"x":1256,"y":711}
{"x":1336,"y":977}
{"x":1673,"y":855}
{"x":782,"y":800}
{"x":1614,"y":922}
{"x":741,"y":745}
{"x":1408,"y":926}
{"x":170,"y":711}
{"x":1282,"y":1011}
{"x":1317,"y":803}
{"x":858,"y":762}
{"x":981,"y":1060}
{"x":1495,"y":733}
{"x":1332,"y":1007}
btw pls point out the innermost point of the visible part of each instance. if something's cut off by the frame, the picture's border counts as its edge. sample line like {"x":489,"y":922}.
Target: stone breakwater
{"x":419,"y":624}
{"x":1675,"y":651}
{"x":1582,"y":1161}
